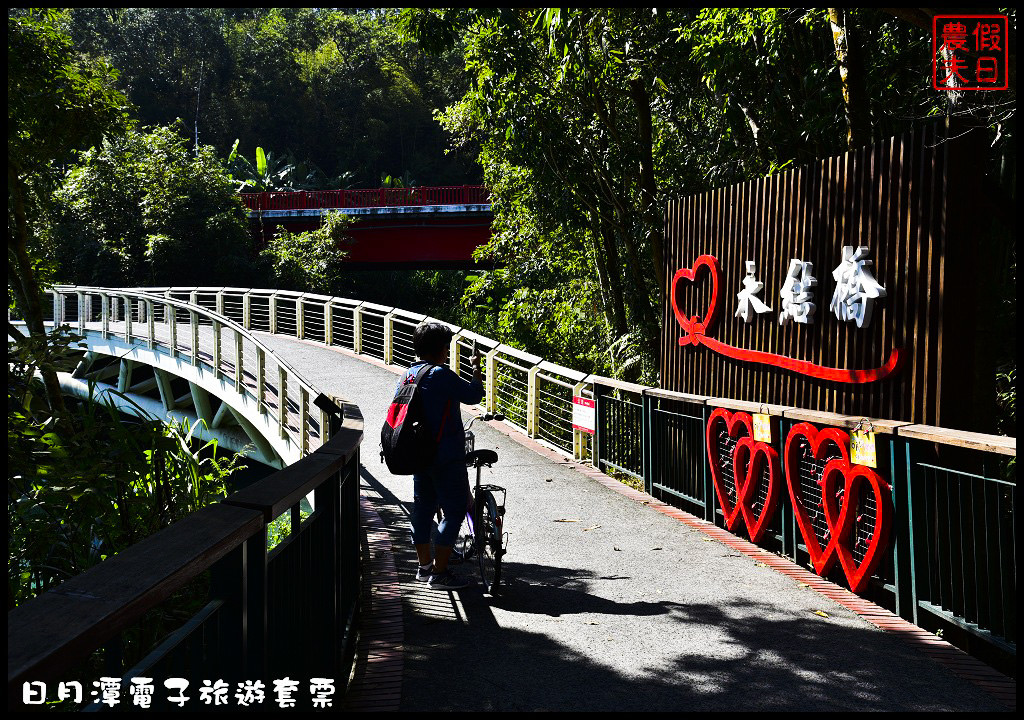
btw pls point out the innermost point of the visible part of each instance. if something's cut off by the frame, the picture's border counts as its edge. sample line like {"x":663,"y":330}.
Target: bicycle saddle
{"x":481,"y":457}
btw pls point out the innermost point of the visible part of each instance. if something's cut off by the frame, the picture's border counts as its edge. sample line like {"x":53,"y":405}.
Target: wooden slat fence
{"x":908,"y":199}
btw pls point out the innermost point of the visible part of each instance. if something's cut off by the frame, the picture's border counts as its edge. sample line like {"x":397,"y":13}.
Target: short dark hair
{"x":431,"y":338}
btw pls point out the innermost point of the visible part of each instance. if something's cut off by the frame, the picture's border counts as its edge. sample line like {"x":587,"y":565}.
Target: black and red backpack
{"x":406,"y":443}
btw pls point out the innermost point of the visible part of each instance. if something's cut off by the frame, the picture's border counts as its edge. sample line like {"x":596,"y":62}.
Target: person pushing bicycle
{"x":445,"y":483}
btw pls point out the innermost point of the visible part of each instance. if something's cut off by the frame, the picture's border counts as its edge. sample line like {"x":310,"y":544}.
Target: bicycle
{"x":486,"y":515}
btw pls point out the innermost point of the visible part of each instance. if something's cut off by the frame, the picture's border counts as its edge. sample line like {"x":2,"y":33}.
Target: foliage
{"x":329,"y":88}
{"x":561,"y":108}
{"x":276,"y":173}
{"x":311,"y":261}
{"x":280,"y":528}
{"x":143,"y":209}
{"x":56,"y":102}
{"x":589,"y":120}
{"x":84,"y":491}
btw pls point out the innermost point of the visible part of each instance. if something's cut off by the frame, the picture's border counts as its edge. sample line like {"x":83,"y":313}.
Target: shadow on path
{"x":569,"y":654}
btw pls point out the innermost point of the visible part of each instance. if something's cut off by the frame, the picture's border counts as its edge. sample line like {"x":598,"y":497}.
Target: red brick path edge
{"x":999,"y":686}
{"x":377,"y":676}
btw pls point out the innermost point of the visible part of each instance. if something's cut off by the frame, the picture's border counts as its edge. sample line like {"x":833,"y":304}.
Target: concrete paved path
{"x":610,"y":605}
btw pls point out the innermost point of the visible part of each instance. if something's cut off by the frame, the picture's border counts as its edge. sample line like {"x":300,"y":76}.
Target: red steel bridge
{"x":395,"y":227}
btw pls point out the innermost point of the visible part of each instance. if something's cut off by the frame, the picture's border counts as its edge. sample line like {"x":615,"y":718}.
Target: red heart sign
{"x":748,"y":460}
{"x":694,"y":326}
{"x":841,"y":520}
{"x":838,"y":478}
{"x":734,"y":424}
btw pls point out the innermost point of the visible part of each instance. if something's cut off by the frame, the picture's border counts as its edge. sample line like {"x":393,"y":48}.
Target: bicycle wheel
{"x":489,"y":550}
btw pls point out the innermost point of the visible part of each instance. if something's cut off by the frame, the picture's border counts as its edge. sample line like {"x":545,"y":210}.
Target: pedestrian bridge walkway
{"x":612,"y":605}
{"x":613,"y":600}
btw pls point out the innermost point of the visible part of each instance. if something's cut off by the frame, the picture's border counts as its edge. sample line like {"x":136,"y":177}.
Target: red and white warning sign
{"x":583,"y":414}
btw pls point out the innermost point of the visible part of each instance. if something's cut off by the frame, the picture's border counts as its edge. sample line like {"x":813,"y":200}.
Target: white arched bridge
{"x":617,"y":598}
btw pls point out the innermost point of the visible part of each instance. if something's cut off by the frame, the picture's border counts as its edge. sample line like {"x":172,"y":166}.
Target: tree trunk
{"x":852,"y":76}
{"x":610,"y":255}
{"x":650,"y":212}
{"x":26,"y":288}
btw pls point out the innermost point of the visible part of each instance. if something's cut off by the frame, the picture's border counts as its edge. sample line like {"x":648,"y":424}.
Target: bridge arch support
{"x":138,"y":380}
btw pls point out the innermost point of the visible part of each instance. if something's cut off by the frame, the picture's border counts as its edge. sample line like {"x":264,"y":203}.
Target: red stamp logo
{"x":970,"y":52}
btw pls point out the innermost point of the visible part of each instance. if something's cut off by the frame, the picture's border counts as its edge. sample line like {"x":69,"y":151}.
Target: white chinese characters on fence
{"x":856,"y":288}
{"x":853,"y":299}
{"x":747,"y":297}
{"x":796,"y":293}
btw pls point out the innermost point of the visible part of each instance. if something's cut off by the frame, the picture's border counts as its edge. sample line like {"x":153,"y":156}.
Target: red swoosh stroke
{"x":802,"y":366}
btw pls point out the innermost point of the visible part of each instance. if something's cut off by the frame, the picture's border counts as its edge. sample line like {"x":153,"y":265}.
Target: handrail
{"x":144,"y":294}
{"x":53,"y":632}
{"x":291,"y":386}
{"x":60,"y":628}
{"x":368,"y":197}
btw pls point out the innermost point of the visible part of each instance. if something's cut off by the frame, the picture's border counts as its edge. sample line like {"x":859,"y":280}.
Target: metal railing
{"x":194,"y":324}
{"x":951,"y":558}
{"x":288,"y":612}
{"x":376,"y":197}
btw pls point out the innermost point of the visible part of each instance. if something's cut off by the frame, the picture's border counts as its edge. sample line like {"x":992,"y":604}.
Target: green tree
{"x":310,"y":261}
{"x":99,"y":484}
{"x":567,"y":107}
{"x":332,"y":89}
{"x":143,"y":208}
{"x":56,"y":102}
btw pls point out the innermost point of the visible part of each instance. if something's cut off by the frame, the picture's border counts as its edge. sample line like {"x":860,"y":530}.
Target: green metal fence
{"x":952,"y":557}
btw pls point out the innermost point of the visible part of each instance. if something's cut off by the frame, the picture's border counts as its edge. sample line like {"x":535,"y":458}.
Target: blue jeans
{"x":444,"y":485}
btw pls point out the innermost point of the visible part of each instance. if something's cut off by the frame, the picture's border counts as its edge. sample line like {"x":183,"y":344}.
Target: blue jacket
{"x":442,"y":391}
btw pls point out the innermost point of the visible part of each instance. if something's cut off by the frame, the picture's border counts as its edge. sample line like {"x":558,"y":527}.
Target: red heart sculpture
{"x":839,"y":477}
{"x":734,"y":423}
{"x":821,"y":558}
{"x":695,"y":326}
{"x":747,"y":461}
{"x":841,"y":520}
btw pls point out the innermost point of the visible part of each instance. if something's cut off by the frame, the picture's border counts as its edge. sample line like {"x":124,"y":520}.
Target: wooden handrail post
{"x":261,"y":380}
{"x":247,"y":310}
{"x":272,"y":312}
{"x":282,"y":402}
{"x":216,"y":349}
{"x":389,"y":337}
{"x":104,"y":316}
{"x":127,"y":319}
{"x":532,"y":402}
{"x":172,"y":328}
{"x":490,"y":386}
{"x":239,"y":356}
{"x":194,"y":321}
{"x":453,"y":353}
{"x":328,"y":330}
{"x":300,"y":328}
{"x":81,"y":311}
{"x":332,"y":414}
{"x":357,"y":329}
{"x":150,"y":325}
